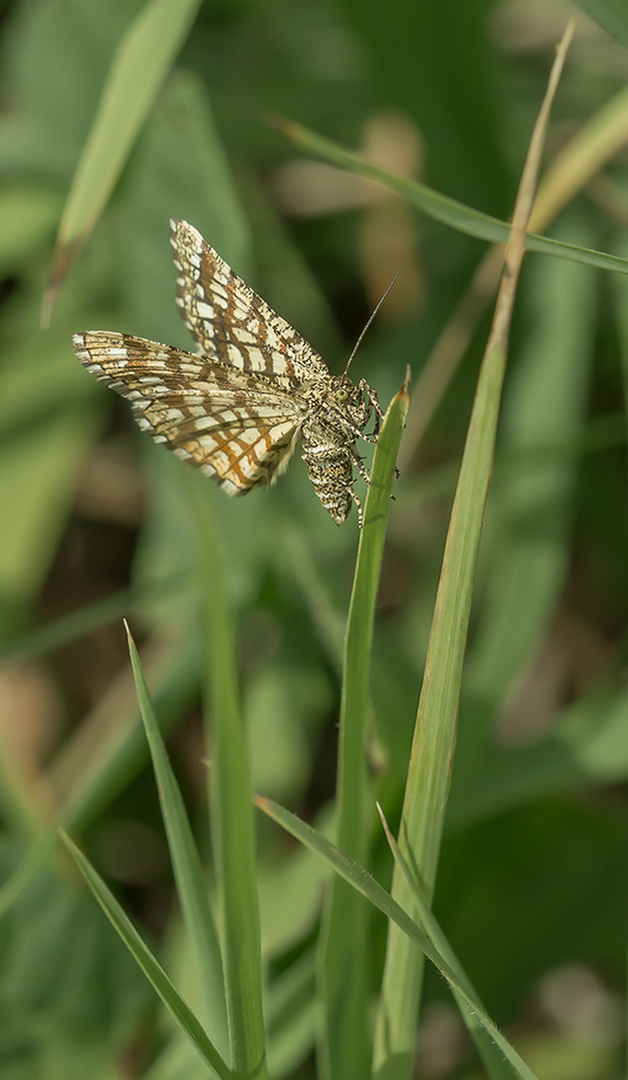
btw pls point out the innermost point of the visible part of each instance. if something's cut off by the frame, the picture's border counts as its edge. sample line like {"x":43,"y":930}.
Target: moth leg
{"x":371,"y":404}
{"x":359,"y":464}
{"x":358,"y":506}
{"x":379,"y":416}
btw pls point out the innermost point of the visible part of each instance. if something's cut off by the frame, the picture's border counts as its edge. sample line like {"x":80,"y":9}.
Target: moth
{"x":237,"y":408}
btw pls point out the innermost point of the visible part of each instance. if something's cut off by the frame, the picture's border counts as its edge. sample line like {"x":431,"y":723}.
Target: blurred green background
{"x":532,"y":880}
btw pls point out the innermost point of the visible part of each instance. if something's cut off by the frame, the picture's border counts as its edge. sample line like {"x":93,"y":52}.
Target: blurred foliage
{"x":532,"y":875}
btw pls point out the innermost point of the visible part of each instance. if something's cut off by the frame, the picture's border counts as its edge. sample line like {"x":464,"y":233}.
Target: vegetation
{"x":320,"y":148}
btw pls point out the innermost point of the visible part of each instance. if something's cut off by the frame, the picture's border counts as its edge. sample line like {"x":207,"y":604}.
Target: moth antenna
{"x":371,"y":318}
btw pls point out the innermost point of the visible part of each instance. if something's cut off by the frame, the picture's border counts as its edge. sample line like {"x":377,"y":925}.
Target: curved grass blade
{"x":190,"y":879}
{"x":441,"y":207}
{"x":576,"y":164}
{"x":343,"y":944}
{"x":139,"y":67}
{"x":232,"y":818}
{"x":364,"y":883}
{"x":177,"y":1007}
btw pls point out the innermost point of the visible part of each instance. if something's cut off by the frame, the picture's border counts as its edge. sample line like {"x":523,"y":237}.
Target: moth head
{"x":344,"y":392}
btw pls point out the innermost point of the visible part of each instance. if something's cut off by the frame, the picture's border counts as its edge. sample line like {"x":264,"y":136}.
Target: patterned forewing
{"x":231,"y":323}
{"x":224,"y":421}
{"x":236,"y":411}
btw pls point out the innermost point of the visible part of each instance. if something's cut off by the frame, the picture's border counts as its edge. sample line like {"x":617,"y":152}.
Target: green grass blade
{"x":430,"y":764}
{"x":343,"y":948}
{"x":62,"y":631}
{"x":547,"y":398}
{"x":93,"y":779}
{"x":620,"y":307}
{"x":139,"y":67}
{"x":47,"y":425}
{"x":443,"y":208}
{"x":232,"y":818}
{"x":37,"y":856}
{"x":429,"y":771}
{"x":611,"y":14}
{"x":68,"y":628}
{"x":364,"y":883}
{"x":497,"y":1066}
{"x":586,"y":745}
{"x":190,"y":878}
{"x":177,"y":1007}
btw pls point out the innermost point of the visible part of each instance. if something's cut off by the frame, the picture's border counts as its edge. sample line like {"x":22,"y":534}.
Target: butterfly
{"x":237,"y":408}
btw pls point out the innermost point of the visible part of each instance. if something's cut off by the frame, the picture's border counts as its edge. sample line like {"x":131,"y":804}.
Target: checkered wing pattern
{"x":237,"y":410}
{"x":230,"y":321}
{"x":222,"y":420}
